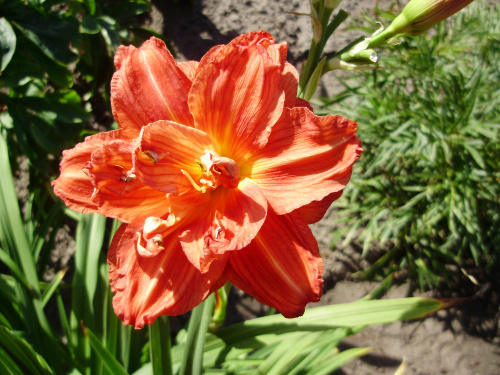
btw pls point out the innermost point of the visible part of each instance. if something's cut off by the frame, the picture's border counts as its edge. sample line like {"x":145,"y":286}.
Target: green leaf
{"x":127,"y":9}
{"x":312,"y":84}
{"x":192,"y":357}
{"x":22,"y":356}
{"x":159,"y":346}
{"x":14,"y":238}
{"x":90,"y":25}
{"x":329,"y":365}
{"x":90,"y":6}
{"x":109,"y":33}
{"x":474,"y":153}
{"x":12,"y":234}
{"x":52,"y":35}
{"x":111,"y":363}
{"x":52,"y":287}
{"x":240,"y":339}
{"x":20,"y":71}
{"x":57,"y":72}
{"x":7,"y":43}
{"x":62,"y":106}
{"x":16,"y":272}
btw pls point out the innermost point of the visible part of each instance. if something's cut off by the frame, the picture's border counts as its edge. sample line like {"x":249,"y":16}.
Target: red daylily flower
{"x":216,"y":171}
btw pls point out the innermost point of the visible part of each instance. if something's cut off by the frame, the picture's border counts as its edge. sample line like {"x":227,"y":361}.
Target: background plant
{"x":427,"y":185}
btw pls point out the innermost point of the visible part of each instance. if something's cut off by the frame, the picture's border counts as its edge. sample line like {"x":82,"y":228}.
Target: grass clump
{"x":427,"y":185}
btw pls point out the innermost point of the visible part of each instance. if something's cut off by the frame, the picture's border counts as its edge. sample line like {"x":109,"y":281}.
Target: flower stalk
{"x":321,"y":11}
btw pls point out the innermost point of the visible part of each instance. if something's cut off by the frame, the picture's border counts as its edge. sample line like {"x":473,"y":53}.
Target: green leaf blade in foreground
{"x":238,"y":340}
{"x":16,"y":242}
{"x":22,"y":357}
{"x":352,"y":315}
{"x":7,"y":43}
{"x":193,"y":348}
{"x":159,"y":346}
{"x":109,"y":360}
{"x":336,"y":361}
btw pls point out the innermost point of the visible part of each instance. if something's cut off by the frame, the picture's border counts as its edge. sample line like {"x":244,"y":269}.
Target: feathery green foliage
{"x":427,"y":184}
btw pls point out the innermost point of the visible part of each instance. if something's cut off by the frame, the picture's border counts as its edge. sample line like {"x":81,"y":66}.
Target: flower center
{"x":217,"y":170}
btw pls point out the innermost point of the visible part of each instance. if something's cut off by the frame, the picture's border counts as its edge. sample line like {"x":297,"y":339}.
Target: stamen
{"x":217,"y":232}
{"x":158,"y":240}
{"x":203,"y":189}
{"x":202,"y":166}
{"x":152,"y":155}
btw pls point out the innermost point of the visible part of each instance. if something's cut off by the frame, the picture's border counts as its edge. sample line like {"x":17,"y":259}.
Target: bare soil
{"x":460,"y":341}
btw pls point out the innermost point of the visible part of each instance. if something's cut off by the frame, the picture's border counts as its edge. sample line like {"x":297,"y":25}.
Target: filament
{"x":203,"y":189}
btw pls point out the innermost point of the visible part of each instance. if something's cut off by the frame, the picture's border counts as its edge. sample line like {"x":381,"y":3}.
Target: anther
{"x":217,"y":232}
{"x":152,"y":155}
{"x":203,"y":189}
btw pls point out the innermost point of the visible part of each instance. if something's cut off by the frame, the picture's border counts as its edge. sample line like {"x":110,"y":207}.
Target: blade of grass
{"x":7,"y":364}
{"x":159,"y":346}
{"x":53,"y":285}
{"x":16,"y":272}
{"x":109,"y":360}
{"x":241,"y":338}
{"x":190,"y":361}
{"x":89,"y":242}
{"x":338,"y":360}
{"x":206,"y":317}
{"x":65,"y":324}
{"x":23,"y":354}
{"x":285,"y":352}
{"x":14,"y":238}
{"x":326,"y":339}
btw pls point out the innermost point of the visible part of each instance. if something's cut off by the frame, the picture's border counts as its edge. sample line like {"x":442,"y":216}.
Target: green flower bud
{"x":419,"y":16}
{"x":332,"y":4}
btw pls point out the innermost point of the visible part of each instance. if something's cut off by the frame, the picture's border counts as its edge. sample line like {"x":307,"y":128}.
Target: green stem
{"x":382,"y":38}
{"x":314,"y":56}
{"x":309,"y":66}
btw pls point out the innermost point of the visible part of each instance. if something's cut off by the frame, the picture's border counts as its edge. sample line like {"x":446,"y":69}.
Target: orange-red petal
{"x":249,"y":39}
{"x":281,"y":267}
{"x":73,"y":186}
{"x":253,"y":38}
{"x":189,"y":68}
{"x":290,"y":83}
{"x":314,"y":211}
{"x":148,"y":86}
{"x":306,"y":158}
{"x":236,"y":99}
{"x":165,"y":284}
{"x":230,"y":221}
{"x":166,"y":149}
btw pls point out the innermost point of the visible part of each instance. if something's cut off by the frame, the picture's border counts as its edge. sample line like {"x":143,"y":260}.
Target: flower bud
{"x":420,"y":15}
{"x":417,"y":17}
{"x":332,"y":4}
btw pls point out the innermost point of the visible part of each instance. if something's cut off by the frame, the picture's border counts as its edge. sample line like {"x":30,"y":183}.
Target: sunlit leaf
{"x":7,"y":43}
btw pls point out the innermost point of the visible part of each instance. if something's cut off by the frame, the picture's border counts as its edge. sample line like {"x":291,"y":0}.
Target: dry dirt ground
{"x":443,"y":344}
